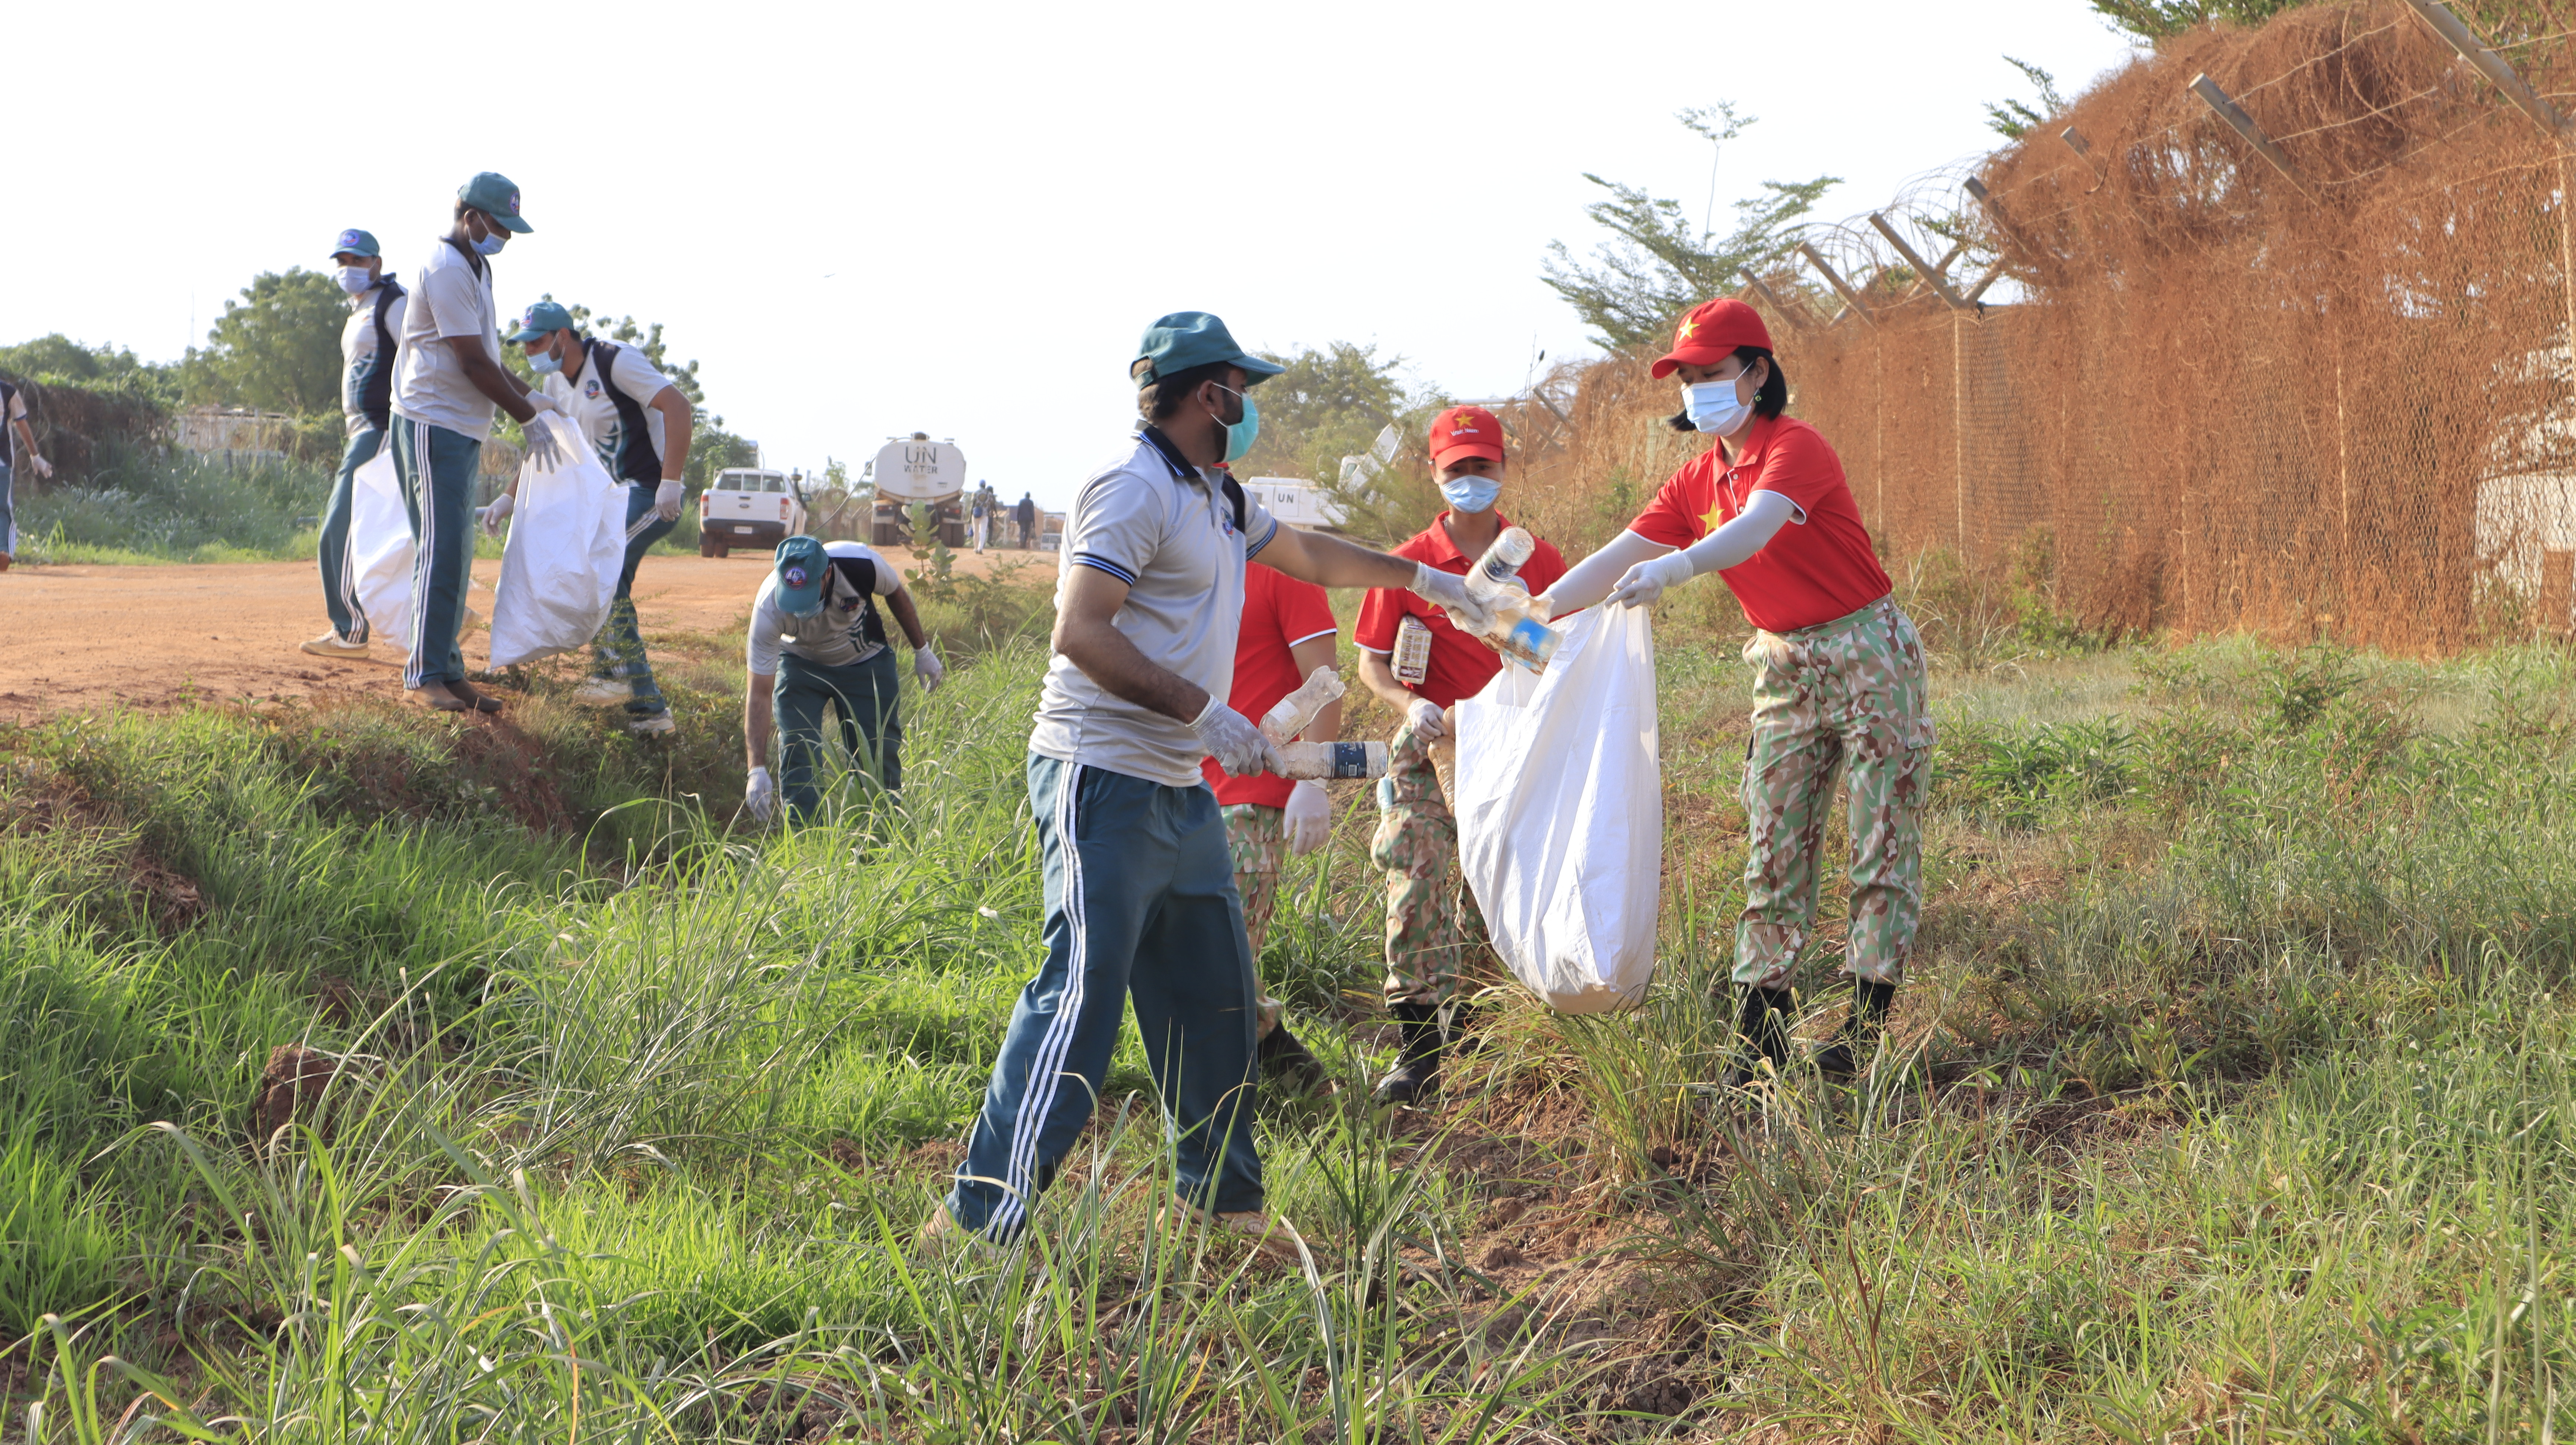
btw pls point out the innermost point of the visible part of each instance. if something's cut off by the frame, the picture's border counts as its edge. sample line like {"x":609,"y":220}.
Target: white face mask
{"x":1713,"y":408}
{"x":356,"y":279}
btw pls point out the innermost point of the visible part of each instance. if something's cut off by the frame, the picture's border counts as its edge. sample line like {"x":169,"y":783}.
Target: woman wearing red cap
{"x":1838,"y":673}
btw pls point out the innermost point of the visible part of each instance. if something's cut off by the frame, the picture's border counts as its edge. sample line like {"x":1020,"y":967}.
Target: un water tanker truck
{"x":915,"y":470}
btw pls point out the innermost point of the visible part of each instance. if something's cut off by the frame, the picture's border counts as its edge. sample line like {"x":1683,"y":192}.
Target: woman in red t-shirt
{"x":1838,"y":673}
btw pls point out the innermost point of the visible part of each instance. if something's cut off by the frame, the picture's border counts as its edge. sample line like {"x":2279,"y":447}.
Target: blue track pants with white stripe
{"x":440,"y":470}
{"x":339,"y":580}
{"x":1140,"y":904}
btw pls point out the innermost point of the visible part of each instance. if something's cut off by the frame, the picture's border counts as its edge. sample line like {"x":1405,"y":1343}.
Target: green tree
{"x":1327,"y":405}
{"x":2012,"y":119}
{"x":58,"y":360}
{"x":276,"y":349}
{"x":1659,"y":265}
{"x":2154,"y":20}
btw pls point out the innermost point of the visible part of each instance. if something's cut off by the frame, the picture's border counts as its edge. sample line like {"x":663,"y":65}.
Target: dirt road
{"x":83,"y":637}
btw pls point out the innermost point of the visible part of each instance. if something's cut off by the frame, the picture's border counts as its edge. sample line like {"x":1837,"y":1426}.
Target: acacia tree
{"x":277,"y":348}
{"x":1659,"y":264}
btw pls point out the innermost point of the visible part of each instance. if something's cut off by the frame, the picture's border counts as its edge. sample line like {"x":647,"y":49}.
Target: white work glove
{"x":1448,"y":591}
{"x":927,"y":667}
{"x":1647,"y":580}
{"x":543,"y":402}
{"x":543,"y":449}
{"x":44,"y":469}
{"x":666,"y":500}
{"x":1426,"y":719}
{"x":1235,"y":743}
{"x":1309,"y":817}
{"x":760,"y":796}
{"x":497,"y":513}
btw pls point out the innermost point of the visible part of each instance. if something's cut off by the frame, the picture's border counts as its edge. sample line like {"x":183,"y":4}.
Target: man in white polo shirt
{"x":367,"y":347}
{"x":1140,"y":894}
{"x":447,"y":380}
{"x":640,"y":425}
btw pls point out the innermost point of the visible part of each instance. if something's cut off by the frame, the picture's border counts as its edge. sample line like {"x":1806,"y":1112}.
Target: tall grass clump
{"x":167,"y":505}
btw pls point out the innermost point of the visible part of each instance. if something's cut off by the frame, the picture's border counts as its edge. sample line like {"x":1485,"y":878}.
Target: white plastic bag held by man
{"x":1560,"y":811}
{"x":567,"y":546}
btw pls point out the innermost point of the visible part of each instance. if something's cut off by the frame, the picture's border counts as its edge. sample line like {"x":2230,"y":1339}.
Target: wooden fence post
{"x":1834,"y":279}
{"x":2238,"y":121}
{"x":1931,"y":276}
{"x":1773,"y":297}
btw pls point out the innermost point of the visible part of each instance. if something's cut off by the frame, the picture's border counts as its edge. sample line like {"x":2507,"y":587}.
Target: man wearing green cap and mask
{"x":816,"y":641}
{"x":367,"y":392}
{"x":640,"y":425}
{"x":447,"y":381}
{"x":1139,"y":880}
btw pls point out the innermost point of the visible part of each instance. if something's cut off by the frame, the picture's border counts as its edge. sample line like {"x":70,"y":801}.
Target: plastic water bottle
{"x":1289,"y":716}
{"x":1516,"y":632}
{"x":1335,"y":760}
{"x":1501,"y":562}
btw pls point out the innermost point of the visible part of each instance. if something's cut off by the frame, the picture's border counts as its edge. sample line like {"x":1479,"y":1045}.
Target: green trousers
{"x":863,"y":693}
{"x":1847,"y":692}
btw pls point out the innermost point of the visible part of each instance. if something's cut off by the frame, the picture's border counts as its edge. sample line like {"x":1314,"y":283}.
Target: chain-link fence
{"x":2305,"y":374}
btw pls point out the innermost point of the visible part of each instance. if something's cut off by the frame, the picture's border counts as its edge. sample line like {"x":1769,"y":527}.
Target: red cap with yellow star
{"x":1465,"y":431}
{"x":1711,"y":333}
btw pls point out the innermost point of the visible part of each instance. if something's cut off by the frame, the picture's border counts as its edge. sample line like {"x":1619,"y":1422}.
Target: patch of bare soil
{"x":230,"y":630}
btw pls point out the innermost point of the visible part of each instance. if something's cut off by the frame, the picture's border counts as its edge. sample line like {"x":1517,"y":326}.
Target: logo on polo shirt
{"x":590,"y":387}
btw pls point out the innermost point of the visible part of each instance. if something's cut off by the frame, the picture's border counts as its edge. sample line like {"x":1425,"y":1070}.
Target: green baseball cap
{"x":494,"y":195}
{"x":542,"y":318}
{"x":802,"y":565}
{"x":354,"y":242}
{"x":1185,"y":339}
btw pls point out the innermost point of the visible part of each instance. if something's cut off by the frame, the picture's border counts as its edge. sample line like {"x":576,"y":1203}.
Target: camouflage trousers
{"x":1258,"y":839}
{"x":1847,"y":692}
{"x":1432,"y":924}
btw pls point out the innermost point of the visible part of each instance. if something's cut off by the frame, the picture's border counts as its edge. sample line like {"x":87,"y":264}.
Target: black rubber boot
{"x":1293,"y":1067}
{"x":1761,"y":1032}
{"x":1418,"y":1075}
{"x":1858,"y":1037}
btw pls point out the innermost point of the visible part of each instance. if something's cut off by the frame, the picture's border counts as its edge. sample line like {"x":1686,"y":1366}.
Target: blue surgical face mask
{"x":1240,"y":435}
{"x":1470,"y":493}
{"x":544,"y":363}
{"x":1713,"y":408}
{"x":492,"y":242}
{"x":356,"y":280}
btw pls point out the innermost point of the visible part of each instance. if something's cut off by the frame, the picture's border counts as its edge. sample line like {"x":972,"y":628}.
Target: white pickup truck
{"x":747,"y":507}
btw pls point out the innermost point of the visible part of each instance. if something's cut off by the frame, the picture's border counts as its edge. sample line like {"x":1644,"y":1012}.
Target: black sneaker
{"x":1286,"y":1061}
{"x":1417,"y":1076}
{"x":1761,"y":1034}
{"x":1839,"y":1061}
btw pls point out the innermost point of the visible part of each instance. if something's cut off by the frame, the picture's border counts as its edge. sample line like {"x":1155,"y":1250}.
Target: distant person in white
{"x":17,"y":446}
{"x":368,"y":344}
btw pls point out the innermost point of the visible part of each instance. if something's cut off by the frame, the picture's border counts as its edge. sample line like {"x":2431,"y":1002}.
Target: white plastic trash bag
{"x":380,"y":550}
{"x":567,"y":545}
{"x":1560,"y":812}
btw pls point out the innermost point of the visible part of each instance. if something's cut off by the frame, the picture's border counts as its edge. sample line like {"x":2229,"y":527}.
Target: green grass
{"x":2231,"y":1095}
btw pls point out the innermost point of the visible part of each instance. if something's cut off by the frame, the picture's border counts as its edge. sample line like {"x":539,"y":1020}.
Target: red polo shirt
{"x":1278,"y":613}
{"x":1460,"y":665}
{"x":1817,"y":567}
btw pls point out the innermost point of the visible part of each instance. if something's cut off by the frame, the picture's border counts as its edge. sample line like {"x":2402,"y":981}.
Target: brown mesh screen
{"x":2229,"y":402}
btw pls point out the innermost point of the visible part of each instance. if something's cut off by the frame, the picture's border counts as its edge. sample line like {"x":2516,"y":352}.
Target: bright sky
{"x":870,"y":219}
